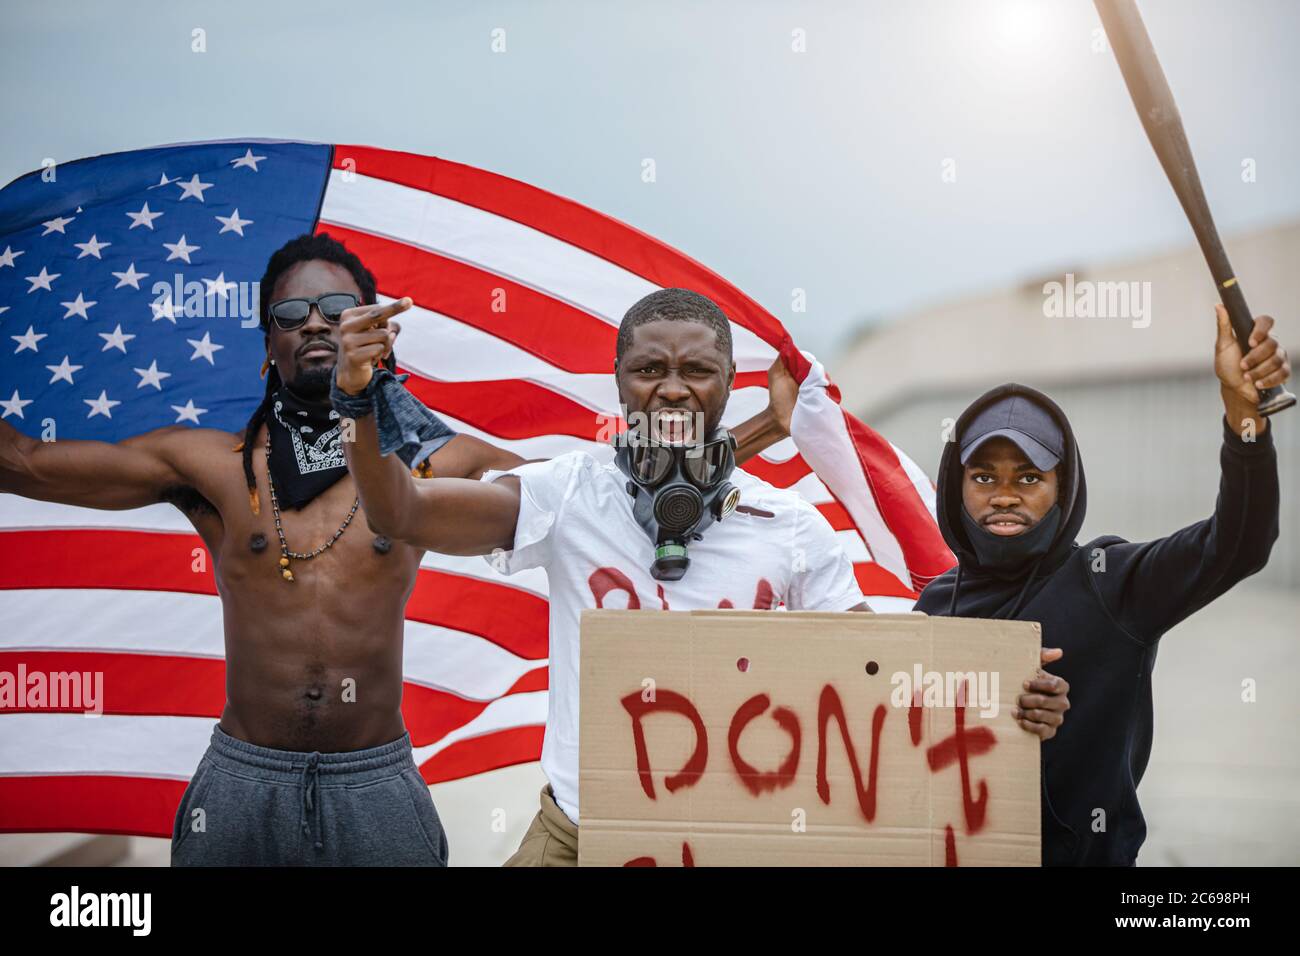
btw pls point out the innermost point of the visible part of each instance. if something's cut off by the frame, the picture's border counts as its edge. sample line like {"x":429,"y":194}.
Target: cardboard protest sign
{"x":792,"y":738}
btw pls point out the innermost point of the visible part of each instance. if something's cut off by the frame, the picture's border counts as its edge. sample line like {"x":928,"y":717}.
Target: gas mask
{"x":677,"y":491}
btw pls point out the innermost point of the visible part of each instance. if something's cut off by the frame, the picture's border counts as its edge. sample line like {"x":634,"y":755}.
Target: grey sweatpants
{"x":255,"y":806}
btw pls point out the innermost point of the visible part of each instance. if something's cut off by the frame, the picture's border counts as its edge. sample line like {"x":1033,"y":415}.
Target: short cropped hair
{"x":675,"y":305}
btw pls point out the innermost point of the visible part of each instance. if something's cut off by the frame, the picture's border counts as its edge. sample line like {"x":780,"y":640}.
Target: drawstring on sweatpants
{"x":311,"y":797}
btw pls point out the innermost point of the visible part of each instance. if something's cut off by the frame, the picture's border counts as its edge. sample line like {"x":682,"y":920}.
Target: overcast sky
{"x":820,"y":170}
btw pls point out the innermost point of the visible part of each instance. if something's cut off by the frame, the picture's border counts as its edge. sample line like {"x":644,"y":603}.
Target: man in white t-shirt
{"x":577,"y":518}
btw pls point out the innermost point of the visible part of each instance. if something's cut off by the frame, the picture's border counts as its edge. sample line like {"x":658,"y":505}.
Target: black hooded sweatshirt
{"x":1106,"y":604}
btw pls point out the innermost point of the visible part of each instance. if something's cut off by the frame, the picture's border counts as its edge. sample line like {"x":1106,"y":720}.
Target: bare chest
{"x":326,"y":543}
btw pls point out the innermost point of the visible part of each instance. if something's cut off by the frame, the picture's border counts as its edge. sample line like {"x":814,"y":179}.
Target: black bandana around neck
{"x":306,"y":450}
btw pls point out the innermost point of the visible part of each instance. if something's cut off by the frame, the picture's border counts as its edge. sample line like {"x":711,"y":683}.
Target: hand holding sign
{"x":1046,"y":699}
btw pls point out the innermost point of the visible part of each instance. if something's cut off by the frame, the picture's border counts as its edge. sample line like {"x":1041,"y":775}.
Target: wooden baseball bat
{"x":1159,"y":115}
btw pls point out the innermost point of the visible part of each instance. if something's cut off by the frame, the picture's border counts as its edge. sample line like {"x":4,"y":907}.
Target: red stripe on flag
{"x":510,"y":408}
{"x":566,"y":220}
{"x":905,"y":514}
{"x":750,"y":380}
{"x":141,"y":560}
{"x":431,"y":714}
{"x":140,"y":684}
{"x":554,"y":331}
{"x":780,"y":474}
{"x":514,"y":409}
{"x":502,"y":748}
{"x":836,"y":515}
{"x":509,"y":617}
{"x":874,"y":580}
{"x":89,"y":803}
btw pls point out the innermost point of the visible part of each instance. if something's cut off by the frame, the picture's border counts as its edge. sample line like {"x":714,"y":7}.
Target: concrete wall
{"x":1004,"y":336}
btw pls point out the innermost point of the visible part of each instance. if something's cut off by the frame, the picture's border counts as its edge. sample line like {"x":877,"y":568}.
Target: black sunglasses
{"x":289,"y":314}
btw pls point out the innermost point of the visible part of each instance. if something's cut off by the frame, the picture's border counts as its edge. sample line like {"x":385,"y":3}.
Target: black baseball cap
{"x":1024,"y":422}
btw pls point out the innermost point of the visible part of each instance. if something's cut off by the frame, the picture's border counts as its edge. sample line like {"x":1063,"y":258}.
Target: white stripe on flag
{"x":517,"y":710}
{"x":502,"y":247}
{"x":823,"y":438}
{"x":131,"y":746}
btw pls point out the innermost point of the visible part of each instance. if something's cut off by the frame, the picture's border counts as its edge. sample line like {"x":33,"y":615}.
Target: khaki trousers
{"x":551,"y":840}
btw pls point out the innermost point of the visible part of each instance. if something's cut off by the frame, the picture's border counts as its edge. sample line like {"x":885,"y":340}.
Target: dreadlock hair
{"x":680,"y":305}
{"x":305,"y":248}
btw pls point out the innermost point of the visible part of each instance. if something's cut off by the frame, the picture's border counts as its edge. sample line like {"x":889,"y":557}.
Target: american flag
{"x":127,"y":303}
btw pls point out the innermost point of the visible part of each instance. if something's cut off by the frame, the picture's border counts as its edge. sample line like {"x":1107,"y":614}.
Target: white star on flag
{"x":56,"y":224}
{"x":187,"y":412}
{"x":233,"y":223}
{"x":249,"y":160}
{"x":64,"y":371}
{"x":27,"y":340}
{"x":219,"y":286}
{"x":15,"y":405}
{"x":92,"y":247}
{"x":193,"y":188}
{"x":164,"y":181}
{"x":101,"y":406}
{"x":42,"y":281}
{"x":115,"y":340}
{"x":77,"y":307}
{"x":180,"y":250}
{"x":144,"y":217}
{"x":152,"y":376}
{"x":164,"y":308}
{"x":204,"y":348}
{"x":10,"y":255}
{"x":129,"y":277}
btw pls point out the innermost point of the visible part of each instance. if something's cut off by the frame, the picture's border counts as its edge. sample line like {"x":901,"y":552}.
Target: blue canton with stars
{"x":128,"y":284}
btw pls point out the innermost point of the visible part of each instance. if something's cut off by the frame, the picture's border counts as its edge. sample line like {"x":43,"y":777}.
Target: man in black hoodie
{"x":1011,"y":498}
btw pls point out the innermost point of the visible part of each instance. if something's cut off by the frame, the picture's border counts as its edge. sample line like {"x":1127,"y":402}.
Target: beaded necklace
{"x":285,"y":553}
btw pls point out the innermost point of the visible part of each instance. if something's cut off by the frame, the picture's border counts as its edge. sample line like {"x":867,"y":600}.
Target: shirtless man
{"x":298,"y":772}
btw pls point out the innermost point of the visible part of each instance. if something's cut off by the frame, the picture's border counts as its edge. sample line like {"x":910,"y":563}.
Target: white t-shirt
{"x":575,"y":520}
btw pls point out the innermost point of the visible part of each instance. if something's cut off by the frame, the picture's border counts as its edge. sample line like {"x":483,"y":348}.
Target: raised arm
{"x":773,"y":423}
{"x":1151,"y":586}
{"x":450,"y":515}
{"x":93,"y":474}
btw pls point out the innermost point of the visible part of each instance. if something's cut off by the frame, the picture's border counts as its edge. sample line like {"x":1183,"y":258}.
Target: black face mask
{"x":1007,"y":556}
{"x":678,"y":491}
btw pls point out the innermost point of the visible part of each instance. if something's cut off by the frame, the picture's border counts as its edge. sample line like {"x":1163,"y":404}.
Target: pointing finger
{"x":373,"y":316}
{"x":380,"y":314}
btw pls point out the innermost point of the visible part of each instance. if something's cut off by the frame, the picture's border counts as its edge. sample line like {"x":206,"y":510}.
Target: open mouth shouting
{"x":674,"y":426}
